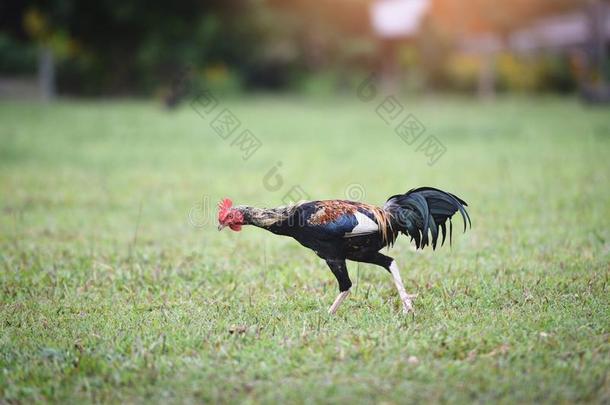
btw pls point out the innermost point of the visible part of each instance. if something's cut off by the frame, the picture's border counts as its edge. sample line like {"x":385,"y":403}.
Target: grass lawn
{"x":109,"y":292}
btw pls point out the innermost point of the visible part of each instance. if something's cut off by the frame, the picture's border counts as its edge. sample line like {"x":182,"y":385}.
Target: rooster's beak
{"x":220,"y":226}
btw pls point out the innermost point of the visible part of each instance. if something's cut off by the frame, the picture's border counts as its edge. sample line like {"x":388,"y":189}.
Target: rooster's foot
{"x":407,"y":303}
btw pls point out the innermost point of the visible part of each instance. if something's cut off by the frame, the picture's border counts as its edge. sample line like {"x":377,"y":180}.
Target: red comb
{"x":225,"y":203}
{"x":223,"y":208}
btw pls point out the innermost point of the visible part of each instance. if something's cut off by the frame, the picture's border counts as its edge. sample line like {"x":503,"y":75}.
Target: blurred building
{"x":393,"y":19}
{"x":581,"y":34}
{"x":558,"y":33}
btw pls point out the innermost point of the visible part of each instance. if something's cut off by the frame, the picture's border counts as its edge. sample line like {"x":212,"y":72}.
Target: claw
{"x":407,"y":306}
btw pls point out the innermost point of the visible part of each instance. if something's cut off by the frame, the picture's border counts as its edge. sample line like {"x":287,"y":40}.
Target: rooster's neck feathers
{"x":266,"y":217}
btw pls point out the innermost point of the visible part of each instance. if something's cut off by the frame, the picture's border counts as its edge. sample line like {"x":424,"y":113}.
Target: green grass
{"x":109,"y":294}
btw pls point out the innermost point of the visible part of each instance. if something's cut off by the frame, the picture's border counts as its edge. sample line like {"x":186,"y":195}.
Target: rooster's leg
{"x":339,"y":269}
{"x":333,"y":308}
{"x":407,"y":305}
{"x":389,"y":264}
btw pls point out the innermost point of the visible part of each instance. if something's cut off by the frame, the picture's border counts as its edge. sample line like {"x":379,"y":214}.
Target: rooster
{"x":340,"y":230}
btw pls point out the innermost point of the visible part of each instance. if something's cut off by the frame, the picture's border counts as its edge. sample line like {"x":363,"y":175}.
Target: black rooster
{"x":338,"y":229}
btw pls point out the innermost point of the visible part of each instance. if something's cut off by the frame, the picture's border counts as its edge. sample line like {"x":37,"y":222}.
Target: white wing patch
{"x":365,"y":225}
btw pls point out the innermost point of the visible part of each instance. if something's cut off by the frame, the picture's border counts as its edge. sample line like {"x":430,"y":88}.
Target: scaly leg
{"x":390,"y":265}
{"x":333,"y":308}
{"x":407,"y":305}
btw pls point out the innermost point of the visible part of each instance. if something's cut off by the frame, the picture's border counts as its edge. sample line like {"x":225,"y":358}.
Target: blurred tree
{"x":53,"y":43}
{"x":119,"y":47}
{"x":323,"y":35}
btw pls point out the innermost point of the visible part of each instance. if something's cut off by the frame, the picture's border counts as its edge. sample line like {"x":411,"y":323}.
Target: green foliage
{"x":16,"y":58}
{"x":463,"y":71}
{"x":107,"y":294}
{"x":536,"y":73}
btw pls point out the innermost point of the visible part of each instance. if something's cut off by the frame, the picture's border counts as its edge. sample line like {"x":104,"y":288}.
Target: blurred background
{"x":122,"y":123}
{"x":139,"y":48}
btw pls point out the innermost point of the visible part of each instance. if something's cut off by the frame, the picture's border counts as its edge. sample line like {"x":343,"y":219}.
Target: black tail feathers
{"x":424,"y":210}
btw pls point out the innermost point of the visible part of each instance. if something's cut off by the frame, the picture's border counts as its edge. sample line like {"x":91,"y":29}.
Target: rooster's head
{"x":227,"y":216}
